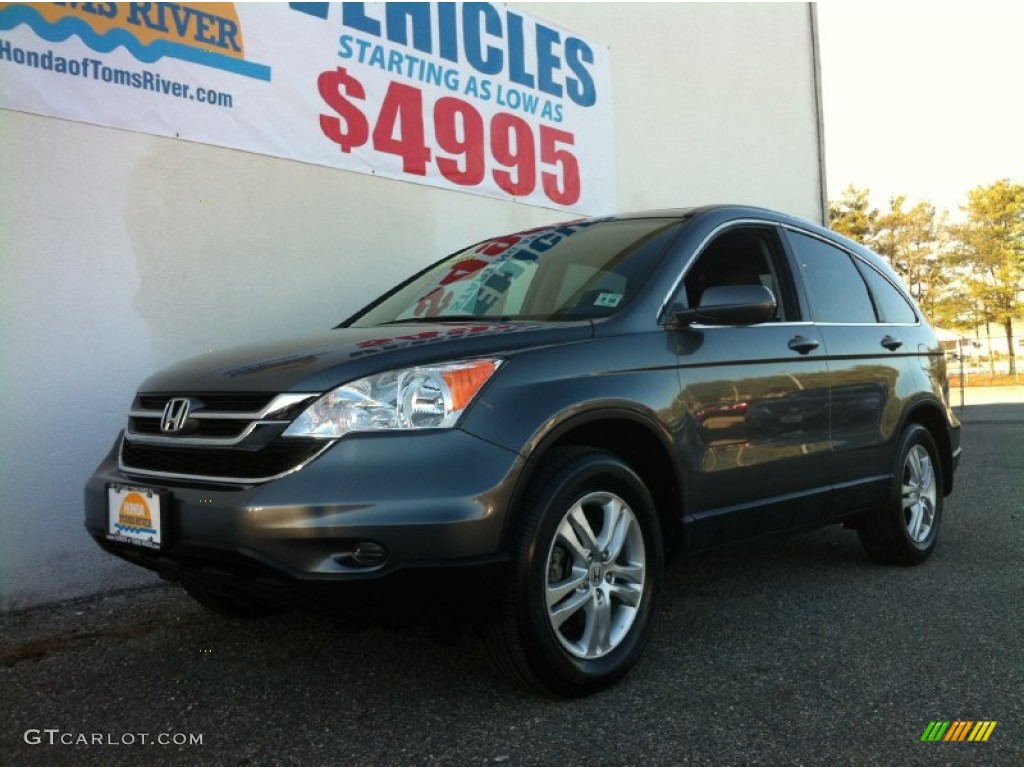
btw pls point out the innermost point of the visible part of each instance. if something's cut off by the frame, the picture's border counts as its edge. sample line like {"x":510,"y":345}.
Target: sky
{"x":922,"y":99}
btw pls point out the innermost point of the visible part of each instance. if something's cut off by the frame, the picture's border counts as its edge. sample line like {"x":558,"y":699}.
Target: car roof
{"x":722,"y":213}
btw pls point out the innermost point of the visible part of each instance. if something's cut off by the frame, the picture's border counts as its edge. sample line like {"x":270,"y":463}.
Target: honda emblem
{"x":175,"y":414}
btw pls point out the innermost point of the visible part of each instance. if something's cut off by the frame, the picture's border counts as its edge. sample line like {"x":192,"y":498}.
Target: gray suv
{"x":520,"y":435}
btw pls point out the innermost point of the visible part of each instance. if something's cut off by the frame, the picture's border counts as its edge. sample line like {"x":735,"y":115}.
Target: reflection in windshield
{"x":573,"y":271}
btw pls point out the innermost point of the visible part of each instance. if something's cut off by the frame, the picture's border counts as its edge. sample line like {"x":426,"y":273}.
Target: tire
{"x":232,"y":607}
{"x":904,"y":530}
{"x":587,"y":564}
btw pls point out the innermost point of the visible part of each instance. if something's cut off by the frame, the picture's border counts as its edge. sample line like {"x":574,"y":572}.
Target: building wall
{"x":123,"y":252}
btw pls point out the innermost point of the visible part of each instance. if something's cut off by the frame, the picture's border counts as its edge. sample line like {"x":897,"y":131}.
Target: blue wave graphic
{"x":133,"y":529}
{"x":14,"y":15}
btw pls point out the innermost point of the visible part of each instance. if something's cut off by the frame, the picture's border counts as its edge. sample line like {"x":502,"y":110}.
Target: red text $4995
{"x":460,"y":133}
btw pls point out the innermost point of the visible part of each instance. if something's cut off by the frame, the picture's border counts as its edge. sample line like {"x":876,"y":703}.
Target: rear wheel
{"x":904,"y":530}
{"x":587,"y":568}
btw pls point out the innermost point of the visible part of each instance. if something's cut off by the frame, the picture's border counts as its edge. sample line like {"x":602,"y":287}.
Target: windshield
{"x":574,"y":271}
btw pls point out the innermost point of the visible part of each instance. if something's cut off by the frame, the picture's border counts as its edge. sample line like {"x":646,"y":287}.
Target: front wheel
{"x":904,"y":530}
{"x":587,"y":568}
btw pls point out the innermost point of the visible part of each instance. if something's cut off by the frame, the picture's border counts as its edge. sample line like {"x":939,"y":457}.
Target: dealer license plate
{"x":134,"y":515}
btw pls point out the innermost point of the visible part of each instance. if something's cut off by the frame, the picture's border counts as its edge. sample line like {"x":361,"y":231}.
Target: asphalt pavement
{"x":795,"y":651}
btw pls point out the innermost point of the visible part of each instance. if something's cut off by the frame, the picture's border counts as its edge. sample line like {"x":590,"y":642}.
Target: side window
{"x":743,"y":256}
{"x":835,"y":289}
{"x":892,"y":305}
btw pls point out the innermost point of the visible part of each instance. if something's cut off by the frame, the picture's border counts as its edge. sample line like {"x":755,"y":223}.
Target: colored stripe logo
{"x":959,"y":730}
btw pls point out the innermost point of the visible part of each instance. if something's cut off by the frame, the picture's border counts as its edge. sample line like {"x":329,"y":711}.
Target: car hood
{"x":318,"y":363}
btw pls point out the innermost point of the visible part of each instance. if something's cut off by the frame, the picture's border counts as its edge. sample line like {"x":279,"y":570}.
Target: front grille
{"x":226,"y":437}
{"x":276,"y":458}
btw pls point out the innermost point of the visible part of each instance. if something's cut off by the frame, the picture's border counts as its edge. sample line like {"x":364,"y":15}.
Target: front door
{"x":753,"y":410}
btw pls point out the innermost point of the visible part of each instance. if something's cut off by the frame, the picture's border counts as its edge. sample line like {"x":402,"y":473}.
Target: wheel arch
{"x":636,"y":439}
{"x":930,"y":416}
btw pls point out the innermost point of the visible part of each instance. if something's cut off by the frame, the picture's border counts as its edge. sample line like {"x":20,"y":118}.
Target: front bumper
{"x":435,"y":501}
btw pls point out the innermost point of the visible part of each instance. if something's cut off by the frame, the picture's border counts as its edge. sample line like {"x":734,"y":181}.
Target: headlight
{"x":424,"y":397}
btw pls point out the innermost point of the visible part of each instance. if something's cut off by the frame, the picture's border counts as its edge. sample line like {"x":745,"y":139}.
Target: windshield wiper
{"x":451,"y":319}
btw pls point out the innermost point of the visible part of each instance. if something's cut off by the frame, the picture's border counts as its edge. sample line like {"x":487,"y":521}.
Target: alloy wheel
{"x":595,"y":575}
{"x":919,"y":494}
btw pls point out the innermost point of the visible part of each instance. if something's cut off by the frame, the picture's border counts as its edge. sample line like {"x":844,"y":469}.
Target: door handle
{"x":802,"y":344}
{"x":892,"y":343}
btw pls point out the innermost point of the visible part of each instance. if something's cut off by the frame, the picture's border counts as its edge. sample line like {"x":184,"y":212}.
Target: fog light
{"x":369,"y":553}
{"x":361,"y":554}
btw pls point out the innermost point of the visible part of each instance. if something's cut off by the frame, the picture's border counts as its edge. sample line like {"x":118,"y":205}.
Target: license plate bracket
{"x":137,"y":515}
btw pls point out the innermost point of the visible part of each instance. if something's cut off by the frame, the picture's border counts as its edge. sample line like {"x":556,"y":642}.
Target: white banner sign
{"x":469,"y":96}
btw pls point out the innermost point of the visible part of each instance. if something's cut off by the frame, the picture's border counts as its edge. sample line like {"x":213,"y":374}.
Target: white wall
{"x":713,"y":102}
{"x":123,"y":253}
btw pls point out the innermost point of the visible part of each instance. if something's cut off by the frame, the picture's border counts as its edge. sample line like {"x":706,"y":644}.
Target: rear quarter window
{"x":892,"y":305}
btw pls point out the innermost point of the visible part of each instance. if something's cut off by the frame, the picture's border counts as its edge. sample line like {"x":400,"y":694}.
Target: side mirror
{"x":730,"y":305}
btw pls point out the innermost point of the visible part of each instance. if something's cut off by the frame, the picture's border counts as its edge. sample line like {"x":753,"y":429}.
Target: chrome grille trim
{"x":128,"y":470}
{"x":198,"y":442}
{"x":279,"y":403}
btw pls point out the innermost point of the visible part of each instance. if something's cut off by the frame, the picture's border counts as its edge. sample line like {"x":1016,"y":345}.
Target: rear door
{"x":869,"y":372}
